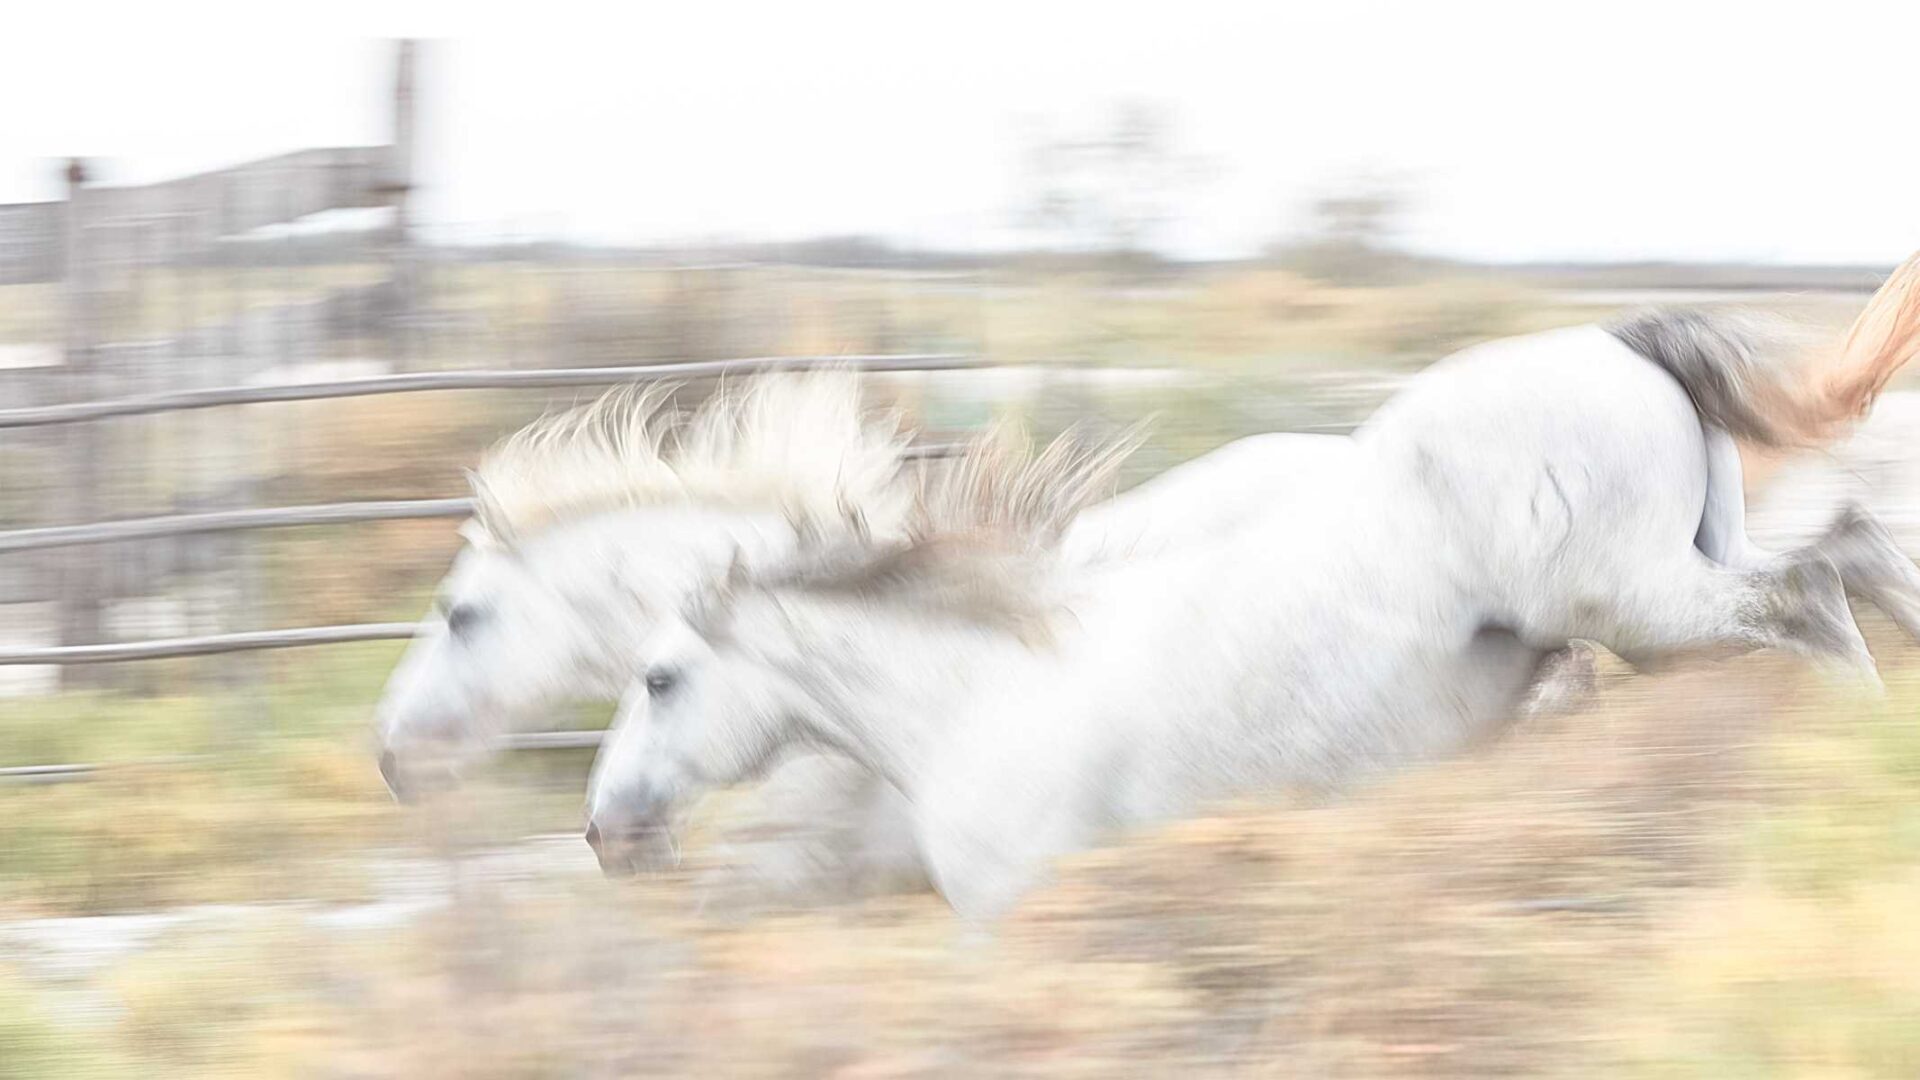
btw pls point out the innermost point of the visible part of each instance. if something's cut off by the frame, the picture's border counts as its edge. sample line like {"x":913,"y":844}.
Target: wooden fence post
{"x":398,"y":187}
{"x":81,"y":577}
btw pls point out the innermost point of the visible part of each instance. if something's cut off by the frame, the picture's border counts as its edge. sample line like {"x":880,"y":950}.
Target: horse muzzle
{"x":411,"y":776}
{"x":633,"y":848}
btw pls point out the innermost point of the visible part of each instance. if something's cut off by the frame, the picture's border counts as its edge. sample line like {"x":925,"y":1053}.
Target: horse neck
{"x":884,"y":684}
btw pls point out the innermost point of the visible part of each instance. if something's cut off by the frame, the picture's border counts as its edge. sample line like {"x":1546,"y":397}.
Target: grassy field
{"x":1705,"y":874}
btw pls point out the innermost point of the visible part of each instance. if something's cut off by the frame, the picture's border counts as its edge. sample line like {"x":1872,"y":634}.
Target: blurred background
{"x":229,"y":239}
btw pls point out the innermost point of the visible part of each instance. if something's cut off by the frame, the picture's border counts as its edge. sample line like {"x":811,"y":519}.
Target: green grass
{"x":250,"y":794}
{"x":1808,"y":963}
{"x":1800,"y":963}
{"x":35,"y":1046}
{"x":222,"y":796}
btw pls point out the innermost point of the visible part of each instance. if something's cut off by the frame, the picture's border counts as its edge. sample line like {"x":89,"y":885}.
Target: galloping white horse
{"x":597,"y":526}
{"x":593,"y":524}
{"x":835,"y":829}
{"x":590,"y":523}
{"x":832,"y":828}
{"x":1555,"y":486}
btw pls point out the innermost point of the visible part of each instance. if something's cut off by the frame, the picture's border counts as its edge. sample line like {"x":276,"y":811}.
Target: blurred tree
{"x":1351,"y":236}
{"x":1109,"y":193}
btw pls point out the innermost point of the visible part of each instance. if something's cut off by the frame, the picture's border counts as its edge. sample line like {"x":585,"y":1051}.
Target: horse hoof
{"x":1874,"y":566}
{"x":1812,"y":616}
{"x":1564,"y":682}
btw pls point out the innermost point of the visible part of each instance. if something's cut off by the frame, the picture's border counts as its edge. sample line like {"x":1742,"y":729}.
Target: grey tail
{"x":1718,"y":360}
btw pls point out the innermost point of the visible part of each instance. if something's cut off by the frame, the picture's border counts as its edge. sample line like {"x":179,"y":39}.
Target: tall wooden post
{"x":398,"y":184}
{"x":81,"y":567}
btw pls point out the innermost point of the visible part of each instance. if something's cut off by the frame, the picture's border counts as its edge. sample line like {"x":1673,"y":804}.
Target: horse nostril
{"x":593,"y":837}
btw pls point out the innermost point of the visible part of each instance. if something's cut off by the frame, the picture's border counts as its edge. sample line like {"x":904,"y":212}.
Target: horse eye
{"x":462,"y":618}
{"x":661,"y":683}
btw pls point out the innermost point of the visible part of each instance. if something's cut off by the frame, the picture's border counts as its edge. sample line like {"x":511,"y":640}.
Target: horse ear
{"x":736,"y":577}
{"x":712,"y":607}
{"x":488,"y":527}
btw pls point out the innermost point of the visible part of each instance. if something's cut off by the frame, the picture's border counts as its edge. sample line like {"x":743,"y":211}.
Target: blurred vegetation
{"x":1616,"y":894}
{"x":1703,"y":875}
{"x":1807,"y":962}
{"x":211,"y":796}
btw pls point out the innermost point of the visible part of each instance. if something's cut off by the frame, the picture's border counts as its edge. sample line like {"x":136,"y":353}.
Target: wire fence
{"x":78,"y":406}
{"x":104,"y":532}
{"x":348,"y":513}
{"x":75,"y":412}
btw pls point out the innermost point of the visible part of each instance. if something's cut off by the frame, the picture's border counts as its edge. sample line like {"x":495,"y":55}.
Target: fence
{"x":104,"y":532}
{"x":190,"y":227}
{"x":97,"y":251}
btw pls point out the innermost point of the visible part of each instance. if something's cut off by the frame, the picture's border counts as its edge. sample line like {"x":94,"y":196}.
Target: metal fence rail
{"x":230,"y":520}
{"x":279,"y":517}
{"x":76,"y":772}
{"x":105,"y":532}
{"x":208,"y":645}
{"x":99,"y":232}
{"x":270,"y":517}
{"x":43,"y":415}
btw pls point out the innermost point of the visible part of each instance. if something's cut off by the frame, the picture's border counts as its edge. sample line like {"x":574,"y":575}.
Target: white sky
{"x":1621,"y":130}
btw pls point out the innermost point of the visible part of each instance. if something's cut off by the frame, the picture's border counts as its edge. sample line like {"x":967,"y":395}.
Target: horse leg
{"x":1871,"y":565}
{"x":1563,"y":681}
{"x":1688,"y":604}
{"x":979,"y":876}
{"x":822,"y":828}
{"x":1874,"y":568}
{"x":887,"y":853}
{"x":988,"y":839}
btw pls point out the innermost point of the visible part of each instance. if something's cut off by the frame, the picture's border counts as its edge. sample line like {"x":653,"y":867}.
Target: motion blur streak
{"x":1154,"y":602}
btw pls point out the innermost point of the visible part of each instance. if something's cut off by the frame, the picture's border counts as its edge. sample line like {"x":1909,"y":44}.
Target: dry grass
{"x":1705,"y":874}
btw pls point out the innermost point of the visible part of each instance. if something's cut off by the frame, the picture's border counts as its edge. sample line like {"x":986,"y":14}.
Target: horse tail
{"x":1731,"y":366}
{"x":1723,"y":363}
{"x":1884,"y":338}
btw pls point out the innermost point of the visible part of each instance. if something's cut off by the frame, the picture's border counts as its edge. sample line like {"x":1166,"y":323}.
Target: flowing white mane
{"x":1002,"y":488}
{"x":983,"y":535}
{"x":800,"y":445}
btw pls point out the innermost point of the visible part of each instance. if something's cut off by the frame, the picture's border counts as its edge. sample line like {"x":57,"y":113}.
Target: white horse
{"x":596,"y":526}
{"x":1554,"y":486}
{"x":831,"y":828}
{"x":589,"y":523}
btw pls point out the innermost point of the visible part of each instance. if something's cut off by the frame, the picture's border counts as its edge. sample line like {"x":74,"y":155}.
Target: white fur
{"x":1517,"y":496}
{"x":594,"y":524}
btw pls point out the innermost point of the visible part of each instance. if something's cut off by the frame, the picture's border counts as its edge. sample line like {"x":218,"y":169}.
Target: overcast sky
{"x":1617,"y":130}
